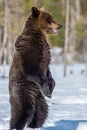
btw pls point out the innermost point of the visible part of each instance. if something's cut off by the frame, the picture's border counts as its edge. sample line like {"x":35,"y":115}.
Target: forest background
{"x":14,"y":12}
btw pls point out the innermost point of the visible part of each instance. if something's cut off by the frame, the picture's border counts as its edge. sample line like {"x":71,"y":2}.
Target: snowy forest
{"x":68,"y":105}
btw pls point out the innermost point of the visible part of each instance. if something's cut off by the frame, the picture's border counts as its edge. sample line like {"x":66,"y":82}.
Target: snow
{"x":68,"y":106}
{"x":57,"y":55}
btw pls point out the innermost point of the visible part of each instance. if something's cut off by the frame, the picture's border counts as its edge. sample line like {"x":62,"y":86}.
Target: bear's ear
{"x":43,"y":9}
{"x":35,"y":12}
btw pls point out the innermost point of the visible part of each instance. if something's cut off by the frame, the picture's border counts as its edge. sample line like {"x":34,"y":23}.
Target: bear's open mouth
{"x":55,"y":31}
{"x":52,"y":30}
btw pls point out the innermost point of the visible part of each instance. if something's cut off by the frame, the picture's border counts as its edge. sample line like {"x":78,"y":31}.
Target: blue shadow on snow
{"x":66,"y":125}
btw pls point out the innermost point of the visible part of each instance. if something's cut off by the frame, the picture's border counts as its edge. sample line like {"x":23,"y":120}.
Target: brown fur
{"x":29,"y":73}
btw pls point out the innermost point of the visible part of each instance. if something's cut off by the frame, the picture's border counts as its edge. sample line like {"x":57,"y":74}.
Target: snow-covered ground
{"x":68,"y":106}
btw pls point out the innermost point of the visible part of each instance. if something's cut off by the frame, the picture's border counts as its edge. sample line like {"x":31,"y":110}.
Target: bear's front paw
{"x":51,"y":84}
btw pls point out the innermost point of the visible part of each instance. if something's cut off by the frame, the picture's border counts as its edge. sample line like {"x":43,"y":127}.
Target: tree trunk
{"x":78,"y":9}
{"x":66,"y":36}
{"x":74,"y":17}
{"x":0,"y":45}
{"x":9,"y":43}
{"x":38,"y":3}
{"x":72,"y":31}
{"x":5,"y":35}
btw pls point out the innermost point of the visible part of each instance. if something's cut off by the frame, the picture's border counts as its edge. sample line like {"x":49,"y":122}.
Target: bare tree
{"x":66,"y":36}
{"x":5,"y":37}
{"x":78,"y":9}
{"x":38,"y":3}
{"x":74,"y":17}
{"x":0,"y":44}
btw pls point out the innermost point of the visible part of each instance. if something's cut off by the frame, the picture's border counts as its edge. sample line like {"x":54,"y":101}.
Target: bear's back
{"x":34,"y":54}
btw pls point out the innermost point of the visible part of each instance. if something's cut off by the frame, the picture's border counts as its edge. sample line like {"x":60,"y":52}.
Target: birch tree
{"x":5,"y":37}
{"x":78,"y":9}
{"x":66,"y":36}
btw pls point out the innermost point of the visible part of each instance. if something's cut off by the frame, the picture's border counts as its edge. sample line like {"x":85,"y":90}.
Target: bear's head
{"x":45,"y":21}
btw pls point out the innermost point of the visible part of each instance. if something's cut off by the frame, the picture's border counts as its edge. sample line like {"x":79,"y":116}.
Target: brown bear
{"x":30,"y":76}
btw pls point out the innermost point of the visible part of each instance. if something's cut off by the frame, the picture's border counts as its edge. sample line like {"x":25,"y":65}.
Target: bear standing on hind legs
{"x":29,"y":74}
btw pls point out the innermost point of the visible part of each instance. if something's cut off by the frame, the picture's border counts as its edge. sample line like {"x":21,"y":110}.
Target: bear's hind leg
{"x":20,"y":117}
{"x":40,"y":114}
{"x":18,"y":120}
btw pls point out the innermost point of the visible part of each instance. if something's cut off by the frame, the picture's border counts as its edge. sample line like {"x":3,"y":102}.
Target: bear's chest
{"x":44,"y":56}
{"x":46,"y":53}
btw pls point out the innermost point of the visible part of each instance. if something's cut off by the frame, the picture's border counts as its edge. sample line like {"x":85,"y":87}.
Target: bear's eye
{"x":49,"y":20}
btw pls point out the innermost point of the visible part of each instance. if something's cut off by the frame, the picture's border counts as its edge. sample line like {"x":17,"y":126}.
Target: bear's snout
{"x":59,"y":26}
